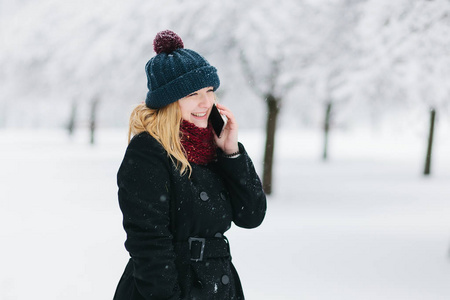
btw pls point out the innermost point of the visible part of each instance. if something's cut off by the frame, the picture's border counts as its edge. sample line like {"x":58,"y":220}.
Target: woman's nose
{"x":204,"y":100}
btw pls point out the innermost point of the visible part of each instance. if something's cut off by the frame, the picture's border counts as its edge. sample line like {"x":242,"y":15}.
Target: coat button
{"x":225,"y":279}
{"x":223,"y":196}
{"x":218,"y":235}
{"x":204,"y":196}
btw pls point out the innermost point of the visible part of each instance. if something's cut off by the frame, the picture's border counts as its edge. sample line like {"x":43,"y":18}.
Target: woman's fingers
{"x":228,"y":142}
{"x":231,"y":119}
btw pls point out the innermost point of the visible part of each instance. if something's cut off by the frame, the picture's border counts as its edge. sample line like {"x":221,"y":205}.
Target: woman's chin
{"x":201,"y":124}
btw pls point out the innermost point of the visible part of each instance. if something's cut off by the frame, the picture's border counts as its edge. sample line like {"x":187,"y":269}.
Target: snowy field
{"x":365,"y":225}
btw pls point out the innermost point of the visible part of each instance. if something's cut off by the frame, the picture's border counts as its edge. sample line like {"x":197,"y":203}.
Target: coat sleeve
{"x":247,"y":197}
{"x":144,"y":186}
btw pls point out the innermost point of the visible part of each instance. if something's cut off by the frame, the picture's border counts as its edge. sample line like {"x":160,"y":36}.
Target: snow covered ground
{"x":365,"y":225}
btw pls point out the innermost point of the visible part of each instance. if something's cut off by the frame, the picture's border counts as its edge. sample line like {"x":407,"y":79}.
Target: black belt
{"x":197,"y":249}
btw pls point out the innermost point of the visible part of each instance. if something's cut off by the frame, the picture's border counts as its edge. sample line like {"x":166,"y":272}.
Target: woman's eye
{"x":211,"y":90}
{"x":190,"y":95}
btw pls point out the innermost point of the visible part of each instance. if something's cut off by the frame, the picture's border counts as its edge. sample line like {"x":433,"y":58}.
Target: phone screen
{"x":216,"y":120}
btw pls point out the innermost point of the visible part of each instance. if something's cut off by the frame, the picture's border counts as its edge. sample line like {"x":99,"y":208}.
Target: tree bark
{"x":92,"y":121}
{"x":273,"y":109}
{"x":430,"y":143}
{"x":326,"y":129}
{"x":71,"y":123}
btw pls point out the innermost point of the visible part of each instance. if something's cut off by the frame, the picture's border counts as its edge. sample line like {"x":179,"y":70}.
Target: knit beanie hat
{"x":176,"y":72}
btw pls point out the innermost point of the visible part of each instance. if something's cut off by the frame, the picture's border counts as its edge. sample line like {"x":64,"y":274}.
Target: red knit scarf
{"x":198,"y":143}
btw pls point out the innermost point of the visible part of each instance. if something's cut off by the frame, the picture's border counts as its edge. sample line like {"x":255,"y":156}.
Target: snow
{"x":365,"y":225}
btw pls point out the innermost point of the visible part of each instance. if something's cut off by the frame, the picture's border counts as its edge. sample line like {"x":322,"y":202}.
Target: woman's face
{"x":195,"y":107}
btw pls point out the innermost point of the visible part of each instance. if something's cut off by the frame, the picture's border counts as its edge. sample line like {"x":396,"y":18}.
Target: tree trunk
{"x":92,"y":122}
{"x":326,"y":129}
{"x":430,"y":142}
{"x":71,"y":123}
{"x":272,"y":105}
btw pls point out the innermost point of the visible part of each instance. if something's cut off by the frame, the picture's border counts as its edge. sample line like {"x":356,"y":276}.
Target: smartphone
{"x":218,"y":121}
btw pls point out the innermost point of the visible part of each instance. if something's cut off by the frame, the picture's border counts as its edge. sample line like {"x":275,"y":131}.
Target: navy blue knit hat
{"x":176,"y":72}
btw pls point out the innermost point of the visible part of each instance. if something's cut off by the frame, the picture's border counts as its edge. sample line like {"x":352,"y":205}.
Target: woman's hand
{"x":228,"y":141}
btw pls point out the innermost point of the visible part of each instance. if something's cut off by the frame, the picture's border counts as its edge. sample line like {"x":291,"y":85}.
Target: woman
{"x":180,"y":186}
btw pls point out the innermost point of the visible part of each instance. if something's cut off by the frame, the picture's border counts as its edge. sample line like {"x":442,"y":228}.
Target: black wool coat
{"x":162,"y":210}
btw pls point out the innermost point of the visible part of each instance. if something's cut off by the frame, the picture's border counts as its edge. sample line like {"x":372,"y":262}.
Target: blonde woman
{"x":181,"y":186}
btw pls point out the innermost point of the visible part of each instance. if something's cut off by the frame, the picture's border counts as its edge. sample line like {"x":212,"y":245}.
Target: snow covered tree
{"x":409,"y":63}
{"x":55,"y":52}
{"x":274,"y":46}
{"x":336,"y":59}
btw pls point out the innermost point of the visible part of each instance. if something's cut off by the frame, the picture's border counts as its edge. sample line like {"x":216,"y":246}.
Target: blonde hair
{"x":164,"y":125}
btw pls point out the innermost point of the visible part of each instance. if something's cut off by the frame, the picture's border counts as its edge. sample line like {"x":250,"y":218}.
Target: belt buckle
{"x":202,"y":248}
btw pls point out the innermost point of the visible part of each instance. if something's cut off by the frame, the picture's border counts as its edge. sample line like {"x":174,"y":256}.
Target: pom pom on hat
{"x":167,"y":41}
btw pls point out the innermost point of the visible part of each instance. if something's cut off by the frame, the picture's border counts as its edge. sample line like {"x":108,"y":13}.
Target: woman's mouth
{"x":199,"y":115}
